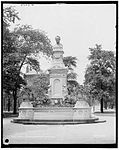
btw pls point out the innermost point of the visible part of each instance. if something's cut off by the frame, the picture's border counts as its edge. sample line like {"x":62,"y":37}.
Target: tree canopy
{"x":39,"y":89}
{"x":9,"y":16}
{"x":19,"y":48}
{"x":100,"y":74}
{"x":70,"y":62}
{"x":10,"y":61}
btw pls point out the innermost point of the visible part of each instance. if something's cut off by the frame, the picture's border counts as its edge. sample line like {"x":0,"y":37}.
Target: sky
{"x":80,"y":27}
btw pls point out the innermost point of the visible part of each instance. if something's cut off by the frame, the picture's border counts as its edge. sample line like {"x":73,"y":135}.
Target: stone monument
{"x":58,"y":75}
{"x":81,"y":113}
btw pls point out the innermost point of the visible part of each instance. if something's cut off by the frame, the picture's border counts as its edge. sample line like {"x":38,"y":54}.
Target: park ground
{"x":96,"y":133}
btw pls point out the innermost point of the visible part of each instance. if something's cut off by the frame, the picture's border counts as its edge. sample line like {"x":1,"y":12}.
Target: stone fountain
{"x":80,"y":113}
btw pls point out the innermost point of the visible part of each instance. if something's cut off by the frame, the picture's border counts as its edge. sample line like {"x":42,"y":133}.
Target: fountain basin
{"x":79,"y":114}
{"x":62,"y":113}
{"x":53,"y":113}
{"x":59,"y":115}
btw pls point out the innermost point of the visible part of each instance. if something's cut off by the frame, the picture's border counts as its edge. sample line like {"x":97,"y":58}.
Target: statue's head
{"x":57,"y":38}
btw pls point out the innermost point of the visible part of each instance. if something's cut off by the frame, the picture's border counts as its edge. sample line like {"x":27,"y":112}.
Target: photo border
{"x":115,"y":145}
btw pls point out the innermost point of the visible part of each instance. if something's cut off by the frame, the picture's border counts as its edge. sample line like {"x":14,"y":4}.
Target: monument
{"x":80,"y":113}
{"x":58,"y":75}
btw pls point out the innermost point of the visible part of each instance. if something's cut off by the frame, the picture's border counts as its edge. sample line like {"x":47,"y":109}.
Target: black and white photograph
{"x":59,"y":74}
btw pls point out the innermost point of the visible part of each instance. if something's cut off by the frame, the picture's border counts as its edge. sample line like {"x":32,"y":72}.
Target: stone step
{"x":57,"y":122}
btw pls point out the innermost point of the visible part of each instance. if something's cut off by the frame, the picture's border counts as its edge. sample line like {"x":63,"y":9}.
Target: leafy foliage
{"x":29,"y":43}
{"x":11,"y":76}
{"x":33,"y":41}
{"x":71,"y":75}
{"x":39,"y":89}
{"x":33,"y":63}
{"x":19,"y":48}
{"x":70,"y":62}
{"x":100,"y":74}
{"x":9,"y":15}
{"x":72,"y":85}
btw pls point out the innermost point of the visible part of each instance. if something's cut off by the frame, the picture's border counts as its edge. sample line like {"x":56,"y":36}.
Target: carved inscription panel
{"x":56,"y":87}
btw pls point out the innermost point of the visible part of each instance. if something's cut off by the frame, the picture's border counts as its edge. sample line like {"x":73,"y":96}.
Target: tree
{"x":100,"y":75}
{"x":84,"y":91}
{"x":72,"y":85}
{"x":10,"y":62}
{"x":71,"y":76}
{"x":19,"y":48}
{"x":70,"y":62}
{"x":9,"y":16}
{"x":39,"y":88}
{"x":29,"y":43}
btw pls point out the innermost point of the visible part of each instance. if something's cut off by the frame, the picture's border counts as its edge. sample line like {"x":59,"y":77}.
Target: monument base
{"x":58,"y":122}
{"x":60,"y":115}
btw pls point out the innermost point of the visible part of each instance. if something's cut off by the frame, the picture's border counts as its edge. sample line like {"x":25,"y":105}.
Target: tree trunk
{"x":8,"y":106}
{"x":15,"y":101}
{"x":105,"y":105}
{"x":101,"y":105}
{"x":112,"y":106}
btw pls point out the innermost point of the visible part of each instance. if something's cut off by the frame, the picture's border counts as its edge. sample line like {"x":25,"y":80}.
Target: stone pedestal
{"x":58,"y":86}
{"x":82,"y":110}
{"x":58,"y":74}
{"x":26,"y":111}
